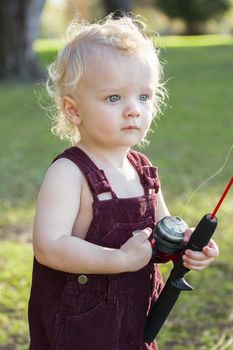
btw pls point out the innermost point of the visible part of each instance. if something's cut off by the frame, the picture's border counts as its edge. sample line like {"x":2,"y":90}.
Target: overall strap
{"x":95,"y":177}
{"x":148,"y":174}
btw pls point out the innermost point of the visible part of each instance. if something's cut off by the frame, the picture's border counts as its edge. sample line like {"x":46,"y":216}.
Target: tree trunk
{"x":19,"y":23}
{"x":193,"y":28}
{"x":118,"y":7}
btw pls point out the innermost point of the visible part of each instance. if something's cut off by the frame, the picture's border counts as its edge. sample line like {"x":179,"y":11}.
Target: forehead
{"x":115,"y":66}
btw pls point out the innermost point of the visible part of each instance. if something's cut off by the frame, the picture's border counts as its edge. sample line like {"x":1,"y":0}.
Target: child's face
{"x":115,"y":100}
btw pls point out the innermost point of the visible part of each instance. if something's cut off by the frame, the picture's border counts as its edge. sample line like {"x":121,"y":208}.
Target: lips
{"x":131,"y":127}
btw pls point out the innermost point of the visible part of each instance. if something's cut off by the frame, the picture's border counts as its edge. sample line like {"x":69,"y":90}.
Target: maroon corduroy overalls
{"x":99,"y":312}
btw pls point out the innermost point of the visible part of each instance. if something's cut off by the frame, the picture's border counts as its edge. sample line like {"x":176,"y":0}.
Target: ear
{"x":70,"y":108}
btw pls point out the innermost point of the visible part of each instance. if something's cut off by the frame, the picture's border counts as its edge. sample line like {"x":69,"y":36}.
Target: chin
{"x":127,"y":141}
{"x":131,"y":141}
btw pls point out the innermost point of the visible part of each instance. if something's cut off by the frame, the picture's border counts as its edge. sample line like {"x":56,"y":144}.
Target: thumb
{"x":187,"y":234}
{"x":211,"y":250}
{"x":142,"y":235}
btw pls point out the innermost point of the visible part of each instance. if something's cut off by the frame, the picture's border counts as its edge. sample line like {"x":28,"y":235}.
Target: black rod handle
{"x":202,"y":233}
{"x":160,"y":311}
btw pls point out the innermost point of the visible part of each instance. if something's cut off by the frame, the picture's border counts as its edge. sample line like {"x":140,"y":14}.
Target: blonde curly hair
{"x":81,"y":40}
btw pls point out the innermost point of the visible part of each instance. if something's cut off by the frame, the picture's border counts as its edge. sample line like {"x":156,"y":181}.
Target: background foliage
{"x":189,"y":143}
{"x":159,"y":19}
{"x":199,"y":10}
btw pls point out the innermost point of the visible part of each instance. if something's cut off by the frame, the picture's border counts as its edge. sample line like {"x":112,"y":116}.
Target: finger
{"x":196,"y":264}
{"x":197,"y":261}
{"x":195,"y":255}
{"x":213,"y":245}
{"x":142,"y":235}
{"x":211,"y":251}
{"x":187,"y":234}
{"x":195,"y":267}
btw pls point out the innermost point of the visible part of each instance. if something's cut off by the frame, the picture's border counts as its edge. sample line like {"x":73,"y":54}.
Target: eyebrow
{"x":110,"y":89}
{"x":117,"y":89}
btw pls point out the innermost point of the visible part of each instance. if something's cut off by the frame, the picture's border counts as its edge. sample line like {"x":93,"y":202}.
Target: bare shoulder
{"x":61,"y":187}
{"x":58,"y":202}
{"x":64,"y":167}
{"x":63,"y":174}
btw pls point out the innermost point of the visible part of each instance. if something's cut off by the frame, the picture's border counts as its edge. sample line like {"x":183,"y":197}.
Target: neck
{"x":113,"y":158}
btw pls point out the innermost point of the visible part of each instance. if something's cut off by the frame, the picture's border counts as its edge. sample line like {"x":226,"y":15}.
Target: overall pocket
{"x":82,"y":304}
{"x":90,"y":324}
{"x":121,"y":232}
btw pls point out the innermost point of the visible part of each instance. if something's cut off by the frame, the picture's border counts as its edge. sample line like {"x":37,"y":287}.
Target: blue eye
{"x":144,"y":98}
{"x":113,"y":98}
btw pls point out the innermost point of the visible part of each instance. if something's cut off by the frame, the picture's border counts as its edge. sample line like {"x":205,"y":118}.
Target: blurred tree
{"x":193,"y":12}
{"x":78,"y":6}
{"x":118,"y":7}
{"x":19,"y":23}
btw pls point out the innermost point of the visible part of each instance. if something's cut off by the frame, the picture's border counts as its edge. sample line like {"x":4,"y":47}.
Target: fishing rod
{"x":168,"y":235}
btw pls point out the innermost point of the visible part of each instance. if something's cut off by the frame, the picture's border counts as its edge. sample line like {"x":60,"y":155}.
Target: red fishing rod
{"x":221,"y":199}
{"x":168,"y":235}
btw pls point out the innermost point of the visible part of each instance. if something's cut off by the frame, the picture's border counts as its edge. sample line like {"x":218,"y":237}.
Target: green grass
{"x":195,"y":41}
{"x":189,"y":143}
{"x":27,"y":151}
{"x":15,"y":266}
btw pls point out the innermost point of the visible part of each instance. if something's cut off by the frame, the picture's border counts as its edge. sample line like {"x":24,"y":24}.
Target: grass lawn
{"x":189,"y":143}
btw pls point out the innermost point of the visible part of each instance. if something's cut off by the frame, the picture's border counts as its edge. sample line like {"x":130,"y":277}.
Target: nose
{"x":132,"y":111}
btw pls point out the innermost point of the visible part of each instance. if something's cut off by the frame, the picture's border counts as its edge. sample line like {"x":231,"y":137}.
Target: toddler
{"x":93,"y":278}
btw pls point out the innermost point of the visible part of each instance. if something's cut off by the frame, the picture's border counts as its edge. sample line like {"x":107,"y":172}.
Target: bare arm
{"x":54,"y":246}
{"x":162,"y":209}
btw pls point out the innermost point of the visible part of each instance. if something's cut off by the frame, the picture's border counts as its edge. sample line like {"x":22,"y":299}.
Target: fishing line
{"x":207,"y":180}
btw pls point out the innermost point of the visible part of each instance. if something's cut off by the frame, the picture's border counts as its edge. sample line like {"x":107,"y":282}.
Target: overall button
{"x":82,"y":279}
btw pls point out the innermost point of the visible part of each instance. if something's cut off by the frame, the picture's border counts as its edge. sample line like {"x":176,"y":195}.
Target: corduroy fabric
{"x":108,"y":312}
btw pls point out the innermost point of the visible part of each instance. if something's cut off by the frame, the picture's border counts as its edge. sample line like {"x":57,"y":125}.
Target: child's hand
{"x":137,"y":251}
{"x":194,"y":260}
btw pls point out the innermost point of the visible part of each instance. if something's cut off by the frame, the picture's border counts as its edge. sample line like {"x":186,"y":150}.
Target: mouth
{"x":131,"y":127}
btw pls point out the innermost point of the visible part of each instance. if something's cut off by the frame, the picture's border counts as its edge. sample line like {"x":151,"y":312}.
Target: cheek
{"x":148,"y":118}
{"x":107,"y":118}
{"x":109,"y":124}
{"x":105,"y":123}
